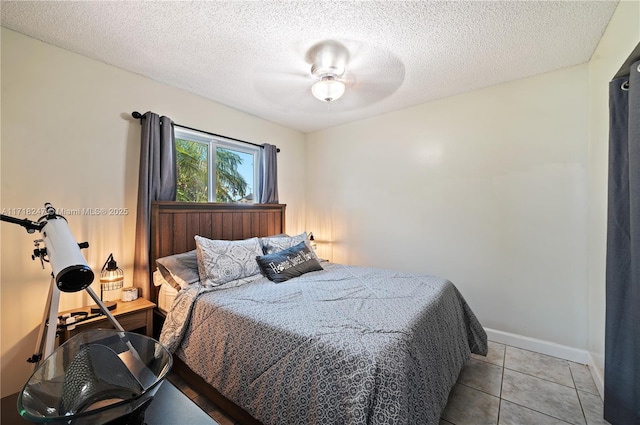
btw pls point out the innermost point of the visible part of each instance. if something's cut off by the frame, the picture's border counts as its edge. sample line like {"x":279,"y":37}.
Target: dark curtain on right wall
{"x":622,"y":332}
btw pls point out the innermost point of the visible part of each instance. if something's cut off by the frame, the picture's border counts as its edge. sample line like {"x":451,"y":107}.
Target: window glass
{"x":234,"y":176}
{"x":213,"y":169}
{"x":193,"y":167}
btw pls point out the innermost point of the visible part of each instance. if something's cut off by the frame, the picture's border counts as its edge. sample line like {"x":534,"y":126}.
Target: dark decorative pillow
{"x":291,"y":262}
{"x":273,"y":244}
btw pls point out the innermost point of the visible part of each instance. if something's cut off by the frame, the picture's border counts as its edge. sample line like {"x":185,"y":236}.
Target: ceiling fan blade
{"x":283,"y":89}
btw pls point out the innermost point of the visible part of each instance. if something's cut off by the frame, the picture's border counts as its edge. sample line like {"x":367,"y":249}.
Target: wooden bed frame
{"x":173,"y":226}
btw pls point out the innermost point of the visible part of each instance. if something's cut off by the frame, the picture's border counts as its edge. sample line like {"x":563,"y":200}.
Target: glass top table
{"x":169,"y":407}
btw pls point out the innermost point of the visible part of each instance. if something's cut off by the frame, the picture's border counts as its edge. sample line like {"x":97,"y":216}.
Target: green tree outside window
{"x":192,"y":162}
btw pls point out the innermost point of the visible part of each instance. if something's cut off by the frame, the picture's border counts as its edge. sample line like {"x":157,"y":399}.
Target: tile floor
{"x":517,"y":387}
{"x":508,"y":387}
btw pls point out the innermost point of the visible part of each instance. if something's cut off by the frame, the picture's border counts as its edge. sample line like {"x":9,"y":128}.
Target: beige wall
{"x":68,"y":138}
{"x":487,"y":189}
{"x":621,"y":36}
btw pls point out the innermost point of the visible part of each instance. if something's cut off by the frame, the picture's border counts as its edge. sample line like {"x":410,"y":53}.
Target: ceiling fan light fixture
{"x":328,"y":89}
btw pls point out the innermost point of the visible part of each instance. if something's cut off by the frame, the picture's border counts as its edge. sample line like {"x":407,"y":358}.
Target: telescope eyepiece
{"x":51,"y":212}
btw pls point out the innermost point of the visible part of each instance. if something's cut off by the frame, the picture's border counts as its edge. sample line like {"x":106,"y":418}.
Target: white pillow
{"x":220,"y":261}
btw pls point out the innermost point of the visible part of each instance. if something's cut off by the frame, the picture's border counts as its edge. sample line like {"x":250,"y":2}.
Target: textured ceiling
{"x":251,"y":55}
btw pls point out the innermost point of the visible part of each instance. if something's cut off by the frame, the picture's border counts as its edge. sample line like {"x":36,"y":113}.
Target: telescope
{"x":70,"y":271}
{"x":96,"y":376}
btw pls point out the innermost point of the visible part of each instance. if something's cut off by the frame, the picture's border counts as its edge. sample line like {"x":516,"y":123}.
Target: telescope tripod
{"x":49,"y":326}
{"x":47,"y":337}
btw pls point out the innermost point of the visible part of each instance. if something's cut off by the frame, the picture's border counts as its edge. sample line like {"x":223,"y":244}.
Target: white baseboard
{"x":597,"y":374}
{"x":539,"y":346}
{"x":551,"y":349}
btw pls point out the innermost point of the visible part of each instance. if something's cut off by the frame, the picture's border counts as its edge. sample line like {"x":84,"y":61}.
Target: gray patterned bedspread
{"x":347,"y":345}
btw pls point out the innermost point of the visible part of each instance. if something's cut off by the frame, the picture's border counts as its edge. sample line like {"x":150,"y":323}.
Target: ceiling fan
{"x":345,"y":74}
{"x":329,"y":59}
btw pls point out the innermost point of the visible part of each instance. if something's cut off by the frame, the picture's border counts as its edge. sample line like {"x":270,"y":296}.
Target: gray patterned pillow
{"x":271,"y":245}
{"x":220,"y":262}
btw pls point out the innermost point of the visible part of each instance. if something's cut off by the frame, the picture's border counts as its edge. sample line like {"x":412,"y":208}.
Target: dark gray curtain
{"x":156,"y":182}
{"x":269,"y":175}
{"x":622,"y":337}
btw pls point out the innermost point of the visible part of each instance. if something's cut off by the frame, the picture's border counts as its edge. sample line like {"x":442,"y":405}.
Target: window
{"x":214,"y":169}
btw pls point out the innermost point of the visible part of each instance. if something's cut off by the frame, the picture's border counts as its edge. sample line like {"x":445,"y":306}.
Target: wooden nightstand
{"x":133,"y":316}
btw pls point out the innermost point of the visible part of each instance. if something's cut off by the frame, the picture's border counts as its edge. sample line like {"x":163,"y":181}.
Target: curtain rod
{"x":137,"y":115}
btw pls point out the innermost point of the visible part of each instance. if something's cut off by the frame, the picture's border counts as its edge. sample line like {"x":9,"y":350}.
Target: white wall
{"x":487,"y":189}
{"x":68,"y":138}
{"x":621,"y":36}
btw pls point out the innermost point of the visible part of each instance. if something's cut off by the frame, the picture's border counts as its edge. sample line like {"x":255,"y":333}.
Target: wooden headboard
{"x":174,"y":224}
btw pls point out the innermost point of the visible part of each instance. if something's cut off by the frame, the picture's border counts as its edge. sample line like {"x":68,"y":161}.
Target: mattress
{"x":166,"y":294}
{"x":346,"y":345}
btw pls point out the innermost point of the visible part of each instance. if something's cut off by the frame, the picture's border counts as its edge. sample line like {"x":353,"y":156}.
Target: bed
{"x":339,"y":345}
